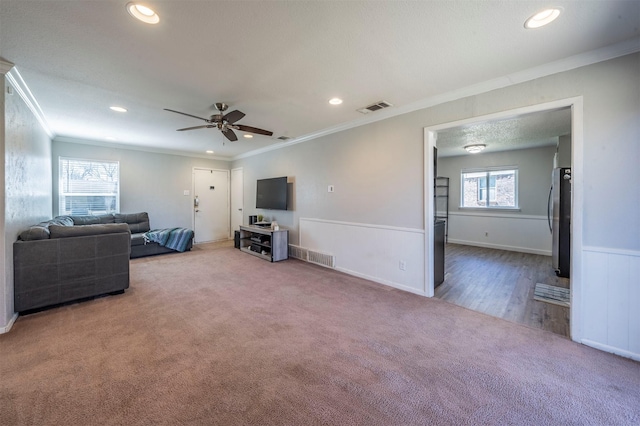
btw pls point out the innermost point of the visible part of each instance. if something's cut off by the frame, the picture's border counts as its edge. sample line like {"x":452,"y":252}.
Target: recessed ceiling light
{"x":209,"y":152}
{"x":110,"y":138}
{"x":117,"y":109}
{"x":248,"y":136}
{"x":335,"y":101}
{"x":143,"y":13}
{"x":542,"y":18}
{"x":475,"y":148}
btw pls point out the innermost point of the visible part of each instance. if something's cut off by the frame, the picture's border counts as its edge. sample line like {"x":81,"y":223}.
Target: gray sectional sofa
{"x":76,"y":257}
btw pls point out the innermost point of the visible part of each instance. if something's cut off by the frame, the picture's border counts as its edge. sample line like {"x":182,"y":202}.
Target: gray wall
{"x":377,"y":169}
{"x":150,"y":182}
{"x":534,"y":175}
{"x":377,"y":177}
{"x":26,"y":195}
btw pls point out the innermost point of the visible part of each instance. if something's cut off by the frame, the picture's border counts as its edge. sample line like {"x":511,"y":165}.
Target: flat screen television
{"x":272,"y":193}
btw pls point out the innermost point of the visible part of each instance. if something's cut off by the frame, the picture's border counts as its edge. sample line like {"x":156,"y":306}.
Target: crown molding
{"x":5,"y":66}
{"x":17,"y":82}
{"x":606,"y":53}
{"x":114,"y":145}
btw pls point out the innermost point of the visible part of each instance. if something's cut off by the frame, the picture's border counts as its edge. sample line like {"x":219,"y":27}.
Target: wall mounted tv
{"x":272,"y":193}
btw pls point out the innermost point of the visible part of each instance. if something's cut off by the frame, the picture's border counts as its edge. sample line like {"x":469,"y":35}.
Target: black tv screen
{"x":272,"y":194}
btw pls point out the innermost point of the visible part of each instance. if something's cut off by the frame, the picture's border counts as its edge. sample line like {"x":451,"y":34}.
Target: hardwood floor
{"x":501,"y":283}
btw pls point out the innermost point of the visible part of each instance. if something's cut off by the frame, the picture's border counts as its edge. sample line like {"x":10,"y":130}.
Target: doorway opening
{"x":488,"y":267}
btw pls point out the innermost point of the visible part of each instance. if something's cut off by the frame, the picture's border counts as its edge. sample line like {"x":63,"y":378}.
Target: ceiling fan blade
{"x":229,"y":134}
{"x":206,"y":126}
{"x":253,"y":130}
{"x":233,"y":116}
{"x":188,"y":115}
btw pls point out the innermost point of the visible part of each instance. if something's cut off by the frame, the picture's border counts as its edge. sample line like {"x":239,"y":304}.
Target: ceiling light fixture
{"x":117,"y":109}
{"x":209,"y":152}
{"x":475,"y":148}
{"x":143,"y":13}
{"x":542,"y":18}
{"x":248,"y":136}
{"x":335,"y":101}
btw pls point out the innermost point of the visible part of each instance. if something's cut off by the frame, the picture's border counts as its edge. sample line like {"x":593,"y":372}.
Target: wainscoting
{"x":514,"y":232}
{"x":370,"y":251}
{"x":611,"y":300}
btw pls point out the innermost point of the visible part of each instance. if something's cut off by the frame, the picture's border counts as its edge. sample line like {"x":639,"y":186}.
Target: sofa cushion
{"x":35,"y":232}
{"x":92,"y":220}
{"x":62,"y":220}
{"x":138,"y":222}
{"x":41,"y":230}
{"x":58,"y":231}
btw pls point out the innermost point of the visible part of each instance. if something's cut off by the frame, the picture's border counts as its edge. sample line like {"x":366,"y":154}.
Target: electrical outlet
{"x":402,"y":265}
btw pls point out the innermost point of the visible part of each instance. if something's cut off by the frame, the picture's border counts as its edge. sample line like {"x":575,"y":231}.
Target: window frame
{"x":61,"y":194}
{"x":488,"y":171}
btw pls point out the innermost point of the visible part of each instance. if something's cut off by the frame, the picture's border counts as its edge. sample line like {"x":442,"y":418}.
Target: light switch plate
{"x":186,"y":192}
{"x":330,"y":188}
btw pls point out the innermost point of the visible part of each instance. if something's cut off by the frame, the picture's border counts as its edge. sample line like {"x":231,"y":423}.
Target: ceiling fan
{"x":224,"y":122}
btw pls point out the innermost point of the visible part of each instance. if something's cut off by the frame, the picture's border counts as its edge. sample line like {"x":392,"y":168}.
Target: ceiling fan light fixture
{"x":117,"y":109}
{"x":335,"y":101}
{"x":475,"y":148}
{"x":248,"y":136}
{"x":143,"y":13}
{"x":542,"y":18}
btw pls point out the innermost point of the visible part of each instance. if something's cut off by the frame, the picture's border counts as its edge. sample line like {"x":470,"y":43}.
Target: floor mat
{"x":552,"y":294}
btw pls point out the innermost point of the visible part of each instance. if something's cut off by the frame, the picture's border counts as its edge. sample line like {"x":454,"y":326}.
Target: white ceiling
{"x":519,"y":132}
{"x":279,"y":62}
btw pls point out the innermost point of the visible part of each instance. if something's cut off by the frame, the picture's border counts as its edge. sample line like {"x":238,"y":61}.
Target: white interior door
{"x":210,"y":205}
{"x":237,"y":201}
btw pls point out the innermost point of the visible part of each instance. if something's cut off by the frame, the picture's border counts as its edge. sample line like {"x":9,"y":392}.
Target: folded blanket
{"x":173,"y":238}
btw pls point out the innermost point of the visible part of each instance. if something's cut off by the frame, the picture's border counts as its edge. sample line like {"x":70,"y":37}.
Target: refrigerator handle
{"x":549,"y":209}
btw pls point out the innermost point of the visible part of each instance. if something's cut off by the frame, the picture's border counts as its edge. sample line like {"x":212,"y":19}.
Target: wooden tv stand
{"x":265,"y":243}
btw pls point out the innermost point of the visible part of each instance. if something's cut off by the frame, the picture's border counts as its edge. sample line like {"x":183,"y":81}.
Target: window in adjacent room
{"x":88,"y":187}
{"x":494,"y":187}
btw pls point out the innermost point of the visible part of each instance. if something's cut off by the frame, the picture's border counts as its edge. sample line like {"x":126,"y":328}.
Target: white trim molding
{"x":7,"y":327}
{"x":17,"y":82}
{"x":5,"y":66}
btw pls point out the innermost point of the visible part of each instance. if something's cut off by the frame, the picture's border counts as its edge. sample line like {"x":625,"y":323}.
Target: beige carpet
{"x":219,"y":337}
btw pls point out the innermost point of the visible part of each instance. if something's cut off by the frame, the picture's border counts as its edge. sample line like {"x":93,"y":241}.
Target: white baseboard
{"x":500,"y":247}
{"x":7,"y":327}
{"x":381,"y":281}
{"x":606,"y":348}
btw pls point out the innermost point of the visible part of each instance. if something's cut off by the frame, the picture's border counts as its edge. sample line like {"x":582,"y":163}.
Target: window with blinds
{"x":88,"y":187}
{"x":489,"y":188}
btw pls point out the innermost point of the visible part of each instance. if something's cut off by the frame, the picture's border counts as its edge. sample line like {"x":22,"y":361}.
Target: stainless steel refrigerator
{"x":560,"y":220}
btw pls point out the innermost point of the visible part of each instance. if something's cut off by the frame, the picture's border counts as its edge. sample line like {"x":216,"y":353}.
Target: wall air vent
{"x":298,"y":252}
{"x":375,"y":107}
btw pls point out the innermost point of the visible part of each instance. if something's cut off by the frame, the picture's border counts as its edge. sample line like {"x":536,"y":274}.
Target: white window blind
{"x":88,"y":187}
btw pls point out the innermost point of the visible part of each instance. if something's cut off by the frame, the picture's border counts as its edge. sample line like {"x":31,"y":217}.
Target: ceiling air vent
{"x":375,"y":107}
{"x":284,"y":138}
